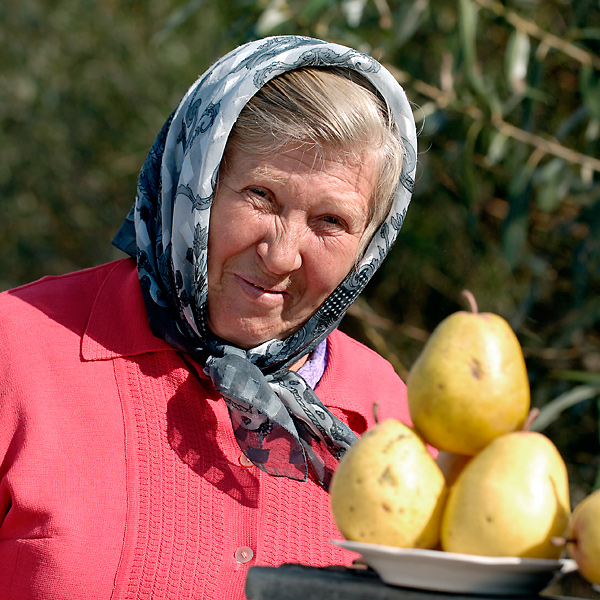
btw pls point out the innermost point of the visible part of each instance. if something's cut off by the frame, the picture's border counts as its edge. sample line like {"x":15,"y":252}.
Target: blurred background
{"x":507,"y":204}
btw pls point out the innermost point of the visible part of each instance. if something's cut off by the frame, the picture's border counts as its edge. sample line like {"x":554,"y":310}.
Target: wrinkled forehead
{"x":201,"y":125}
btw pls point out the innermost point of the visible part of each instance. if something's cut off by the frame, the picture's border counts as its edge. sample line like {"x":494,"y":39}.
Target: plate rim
{"x":548,"y":563}
{"x":489,"y":576}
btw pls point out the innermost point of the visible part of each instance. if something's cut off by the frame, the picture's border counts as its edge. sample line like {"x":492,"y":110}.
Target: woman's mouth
{"x":260,"y":293}
{"x":269,"y":291}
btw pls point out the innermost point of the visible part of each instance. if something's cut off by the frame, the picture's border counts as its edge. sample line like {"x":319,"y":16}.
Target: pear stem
{"x":559,"y":542}
{"x":376,"y":411}
{"x":470,"y":298}
{"x":534,"y":413}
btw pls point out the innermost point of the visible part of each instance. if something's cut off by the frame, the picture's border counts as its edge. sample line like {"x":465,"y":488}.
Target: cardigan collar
{"x":118,"y":324}
{"x":118,"y":328}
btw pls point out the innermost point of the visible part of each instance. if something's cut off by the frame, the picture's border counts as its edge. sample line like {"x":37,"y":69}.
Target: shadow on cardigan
{"x":196,"y":435}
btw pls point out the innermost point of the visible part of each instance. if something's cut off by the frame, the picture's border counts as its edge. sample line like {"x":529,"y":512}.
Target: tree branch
{"x":546,"y":145}
{"x":449,"y":101}
{"x":549,"y":39}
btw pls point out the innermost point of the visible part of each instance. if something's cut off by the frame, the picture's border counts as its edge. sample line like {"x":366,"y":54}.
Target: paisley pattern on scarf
{"x":278,"y":420}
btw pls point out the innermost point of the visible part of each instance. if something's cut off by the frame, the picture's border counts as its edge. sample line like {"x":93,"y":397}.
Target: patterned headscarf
{"x":279,"y":422}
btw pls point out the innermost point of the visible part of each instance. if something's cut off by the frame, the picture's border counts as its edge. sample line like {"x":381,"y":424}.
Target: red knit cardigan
{"x":120,"y":476}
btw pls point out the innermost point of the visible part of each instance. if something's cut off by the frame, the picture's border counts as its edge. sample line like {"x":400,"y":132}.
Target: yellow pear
{"x":511,"y":499}
{"x":387,"y":489}
{"x":469,"y":384}
{"x":583,"y":537}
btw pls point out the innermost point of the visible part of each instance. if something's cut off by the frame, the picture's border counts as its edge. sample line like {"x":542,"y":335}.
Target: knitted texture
{"x":177,"y":525}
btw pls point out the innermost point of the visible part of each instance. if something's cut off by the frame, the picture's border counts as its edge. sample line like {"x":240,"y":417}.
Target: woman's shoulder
{"x":55,"y":299}
{"x":50,"y":285}
{"x":357,"y":377}
{"x":352,"y":352}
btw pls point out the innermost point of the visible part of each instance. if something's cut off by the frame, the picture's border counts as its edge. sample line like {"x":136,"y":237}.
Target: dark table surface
{"x":297,"y":582}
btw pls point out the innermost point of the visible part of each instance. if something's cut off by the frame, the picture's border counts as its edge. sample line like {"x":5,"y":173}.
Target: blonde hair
{"x":328,"y":107}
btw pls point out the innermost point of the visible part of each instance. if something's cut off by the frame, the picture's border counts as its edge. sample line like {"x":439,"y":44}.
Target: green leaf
{"x":552,"y":411}
{"x":178,"y":17}
{"x":467,"y":26}
{"x":497,"y":148}
{"x":579,"y":376}
{"x":590,"y":90}
{"x":353,"y":11}
{"x":469,"y":183}
{"x":276,"y":13}
{"x":516,"y":61}
{"x":516,"y":224}
{"x":314,"y":8}
{"x":551,"y":184}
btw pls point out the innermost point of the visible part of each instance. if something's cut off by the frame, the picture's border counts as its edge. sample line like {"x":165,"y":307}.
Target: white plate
{"x":458,"y":573}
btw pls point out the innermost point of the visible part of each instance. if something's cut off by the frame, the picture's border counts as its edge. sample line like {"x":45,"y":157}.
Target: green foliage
{"x":507,"y":201}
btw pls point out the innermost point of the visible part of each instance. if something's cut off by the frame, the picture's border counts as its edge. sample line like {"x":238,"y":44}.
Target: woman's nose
{"x":280,"y":252}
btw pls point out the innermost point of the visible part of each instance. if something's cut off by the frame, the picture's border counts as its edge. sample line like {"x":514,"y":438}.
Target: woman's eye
{"x":259,"y":198}
{"x":258,"y":192}
{"x":334,"y":222}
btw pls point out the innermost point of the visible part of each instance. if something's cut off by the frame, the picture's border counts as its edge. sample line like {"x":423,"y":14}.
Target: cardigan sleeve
{"x":60,"y":426}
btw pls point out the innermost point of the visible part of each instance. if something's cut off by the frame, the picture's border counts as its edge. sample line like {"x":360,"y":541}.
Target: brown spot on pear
{"x":394,"y":486}
{"x":469,"y":384}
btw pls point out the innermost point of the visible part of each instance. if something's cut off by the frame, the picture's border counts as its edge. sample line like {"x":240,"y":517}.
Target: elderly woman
{"x":170,"y":419}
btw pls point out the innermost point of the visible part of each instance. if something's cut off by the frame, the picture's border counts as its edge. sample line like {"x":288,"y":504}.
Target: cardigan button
{"x":244,"y":554}
{"x":245,"y":461}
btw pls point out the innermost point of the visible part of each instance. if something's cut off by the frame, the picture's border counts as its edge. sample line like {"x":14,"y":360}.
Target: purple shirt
{"x":312,"y":370}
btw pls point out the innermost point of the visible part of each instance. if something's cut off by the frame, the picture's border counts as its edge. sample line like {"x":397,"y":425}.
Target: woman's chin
{"x":243,"y":337}
{"x":250,"y":335}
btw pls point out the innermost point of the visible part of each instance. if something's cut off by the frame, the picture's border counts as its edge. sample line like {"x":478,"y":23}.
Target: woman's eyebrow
{"x":265,"y":172}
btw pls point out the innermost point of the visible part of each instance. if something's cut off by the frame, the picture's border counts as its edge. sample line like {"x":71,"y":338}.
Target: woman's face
{"x":284,"y":232}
